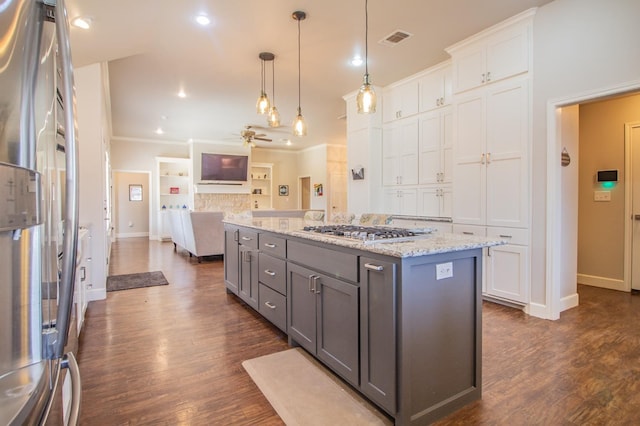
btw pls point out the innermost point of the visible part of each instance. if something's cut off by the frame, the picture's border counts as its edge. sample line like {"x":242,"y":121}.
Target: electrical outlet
{"x":444,"y":270}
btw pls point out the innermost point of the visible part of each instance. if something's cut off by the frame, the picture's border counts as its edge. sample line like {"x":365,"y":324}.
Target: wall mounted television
{"x":223,"y":168}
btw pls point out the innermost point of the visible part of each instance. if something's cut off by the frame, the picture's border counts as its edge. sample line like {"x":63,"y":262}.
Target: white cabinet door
{"x":507,"y":53}
{"x":400,"y":201}
{"x":469,"y":183}
{"x":400,"y":153}
{"x":507,"y":272}
{"x":436,"y":89}
{"x":401,"y":101}
{"x":491,"y":184}
{"x":490,"y":58}
{"x":434,"y":201}
{"x":506,"y":156}
{"x":436,"y":147}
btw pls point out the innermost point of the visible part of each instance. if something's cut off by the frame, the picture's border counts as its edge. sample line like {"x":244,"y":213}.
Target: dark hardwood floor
{"x":171,"y":355}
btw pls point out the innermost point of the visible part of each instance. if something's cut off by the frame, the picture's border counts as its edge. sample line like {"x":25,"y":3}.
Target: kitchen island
{"x":399,"y":321}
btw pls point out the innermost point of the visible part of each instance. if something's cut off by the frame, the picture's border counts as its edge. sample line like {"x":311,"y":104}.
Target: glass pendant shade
{"x":262,"y":105}
{"x":366,"y":99}
{"x":299,"y":125}
{"x":273,"y":117}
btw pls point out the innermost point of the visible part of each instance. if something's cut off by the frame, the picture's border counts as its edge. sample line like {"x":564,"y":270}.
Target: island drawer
{"x":272,"y":272}
{"x":329,"y":261}
{"x":273,"y":306}
{"x":248,"y":238}
{"x":273,"y":245}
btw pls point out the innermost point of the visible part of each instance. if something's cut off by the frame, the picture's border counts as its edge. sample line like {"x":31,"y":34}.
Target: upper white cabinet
{"x":497,"y":53}
{"x":400,"y":101}
{"x":436,"y":147}
{"x":400,"y":153}
{"x":491,"y":166}
{"x":436,"y":87}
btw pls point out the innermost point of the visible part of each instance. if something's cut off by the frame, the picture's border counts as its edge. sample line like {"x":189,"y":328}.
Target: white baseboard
{"x":539,"y":311}
{"x":569,"y":302}
{"x":132,"y":235}
{"x":96,"y":294}
{"x":603,"y":282}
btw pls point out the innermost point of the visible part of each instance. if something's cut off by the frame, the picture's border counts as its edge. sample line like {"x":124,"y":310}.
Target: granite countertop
{"x":429,"y":244}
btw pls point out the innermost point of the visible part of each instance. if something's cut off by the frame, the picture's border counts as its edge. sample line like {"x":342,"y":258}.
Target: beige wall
{"x":601,"y":224}
{"x":285,"y":172}
{"x":131,"y":217}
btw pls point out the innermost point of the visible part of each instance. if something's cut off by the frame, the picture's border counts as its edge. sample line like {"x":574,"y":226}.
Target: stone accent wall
{"x":228,"y":203}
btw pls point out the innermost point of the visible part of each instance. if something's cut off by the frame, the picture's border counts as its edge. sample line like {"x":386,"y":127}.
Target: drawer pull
{"x":270,"y":305}
{"x":270,"y":273}
{"x":270,"y":245}
{"x":374,"y":267}
{"x":467,"y":233}
{"x":246,"y":238}
{"x":506,"y":236}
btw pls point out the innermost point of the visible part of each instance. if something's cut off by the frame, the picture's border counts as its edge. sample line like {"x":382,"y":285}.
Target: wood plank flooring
{"x":171,"y":355}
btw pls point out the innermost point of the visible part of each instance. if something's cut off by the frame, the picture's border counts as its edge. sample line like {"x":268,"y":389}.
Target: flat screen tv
{"x":224,"y":168}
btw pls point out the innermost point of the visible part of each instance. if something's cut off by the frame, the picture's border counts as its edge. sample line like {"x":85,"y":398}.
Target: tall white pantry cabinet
{"x":491,"y":154}
{"x":456,"y":144}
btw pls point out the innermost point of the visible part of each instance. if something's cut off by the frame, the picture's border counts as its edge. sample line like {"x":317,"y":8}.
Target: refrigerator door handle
{"x":70,"y":244}
{"x":69,"y":362}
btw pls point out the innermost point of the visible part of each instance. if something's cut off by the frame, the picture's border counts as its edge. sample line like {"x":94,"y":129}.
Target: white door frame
{"x":300,"y":190}
{"x":554,"y":237}
{"x":628,"y":202}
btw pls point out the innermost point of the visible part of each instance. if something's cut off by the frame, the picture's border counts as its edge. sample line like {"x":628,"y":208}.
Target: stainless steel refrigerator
{"x":39,"y":377}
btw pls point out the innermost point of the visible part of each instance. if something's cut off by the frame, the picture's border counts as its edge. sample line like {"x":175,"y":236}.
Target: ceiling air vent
{"x":395,"y":37}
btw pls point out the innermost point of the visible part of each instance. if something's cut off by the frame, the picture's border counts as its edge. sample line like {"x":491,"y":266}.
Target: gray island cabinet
{"x":400,"y":322}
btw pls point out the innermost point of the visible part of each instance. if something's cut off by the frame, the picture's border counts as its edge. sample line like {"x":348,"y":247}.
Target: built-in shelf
{"x":172,"y":189}
{"x":261,"y":186}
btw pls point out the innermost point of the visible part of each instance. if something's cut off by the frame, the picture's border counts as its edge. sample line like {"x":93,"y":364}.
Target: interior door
{"x":635,"y":211}
{"x":305,"y":193}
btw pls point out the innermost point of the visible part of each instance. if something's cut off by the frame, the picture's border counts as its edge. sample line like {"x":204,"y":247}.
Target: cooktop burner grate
{"x":369,"y":233}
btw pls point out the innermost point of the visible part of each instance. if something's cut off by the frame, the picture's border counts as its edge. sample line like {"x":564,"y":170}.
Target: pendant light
{"x":262,"y":105}
{"x":366,"y":99}
{"x":273,"y":116}
{"x":299,"y":125}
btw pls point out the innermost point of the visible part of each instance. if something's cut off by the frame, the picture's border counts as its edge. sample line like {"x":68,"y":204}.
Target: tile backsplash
{"x":228,"y":203}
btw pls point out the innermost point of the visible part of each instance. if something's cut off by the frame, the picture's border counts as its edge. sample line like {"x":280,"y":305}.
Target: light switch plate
{"x":602,"y":196}
{"x":444,"y":270}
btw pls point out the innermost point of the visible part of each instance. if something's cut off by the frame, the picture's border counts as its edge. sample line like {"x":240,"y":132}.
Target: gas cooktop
{"x":370,"y":234}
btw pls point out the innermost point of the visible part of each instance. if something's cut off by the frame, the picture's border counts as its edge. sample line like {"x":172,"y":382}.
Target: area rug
{"x":129,"y":281}
{"x":303,"y":392}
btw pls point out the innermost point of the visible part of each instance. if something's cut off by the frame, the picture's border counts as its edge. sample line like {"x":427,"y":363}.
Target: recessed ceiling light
{"x":159,"y":131}
{"x":81,"y":22}
{"x":356,"y":61}
{"x":182,"y":94}
{"x":203,"y":19}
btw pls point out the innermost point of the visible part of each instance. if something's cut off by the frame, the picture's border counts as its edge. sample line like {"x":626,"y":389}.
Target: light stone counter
{"x":429,"y":244}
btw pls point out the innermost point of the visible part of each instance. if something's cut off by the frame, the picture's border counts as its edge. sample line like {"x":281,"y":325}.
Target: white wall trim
{"x":569,"y":302}
{"x":554,"y":201}
{"x":628,"y":203}
{"x":537,"y":310}
{"x":604,"y":282}
{"x":96,"y":294}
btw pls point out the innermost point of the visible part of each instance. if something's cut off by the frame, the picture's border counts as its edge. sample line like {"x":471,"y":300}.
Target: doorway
{"x":131,"y":206}
{"x":561,"y":208}
{"x":305,"y":192}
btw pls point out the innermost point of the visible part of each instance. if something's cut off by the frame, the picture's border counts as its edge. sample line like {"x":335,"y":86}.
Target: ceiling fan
{"x":249,"y":136}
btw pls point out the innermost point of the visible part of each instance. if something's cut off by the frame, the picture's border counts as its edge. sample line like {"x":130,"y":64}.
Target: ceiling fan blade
{"x":262,"y":139}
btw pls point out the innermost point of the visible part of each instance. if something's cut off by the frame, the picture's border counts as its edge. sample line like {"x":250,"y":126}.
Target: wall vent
{"x":395,"y":37}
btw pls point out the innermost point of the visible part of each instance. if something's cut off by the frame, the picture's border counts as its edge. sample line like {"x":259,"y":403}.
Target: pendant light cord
{"x":273,"y":81}
{"x":262,"y":77}
{"x":366,"y":36}
{"x":298,"y":65}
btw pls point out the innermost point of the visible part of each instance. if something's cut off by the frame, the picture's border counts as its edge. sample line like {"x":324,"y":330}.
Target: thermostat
{"x":607,"y":176}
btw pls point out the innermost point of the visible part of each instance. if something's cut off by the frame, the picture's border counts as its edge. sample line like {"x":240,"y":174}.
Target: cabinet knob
{"x":482,"y":158}
{"x":483,"y":78}
{"x":488,"y":157}
{"x":489,"y":76}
